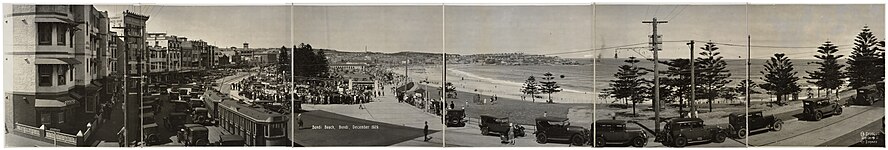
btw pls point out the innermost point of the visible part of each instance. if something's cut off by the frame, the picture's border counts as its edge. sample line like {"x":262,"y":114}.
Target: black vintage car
{"x":557,"y":128}
{"x":616,"y":132}
{"x":499,"y":125}
{"x":816,"y":108}
{"x":175,"y":121}
{"x":681,"y":131}
{"x":757,"y":122}
{"x":195,"y":135}
{"x":200,"y":116}
{"x":455,"y":118}
{"x":870,"y":94}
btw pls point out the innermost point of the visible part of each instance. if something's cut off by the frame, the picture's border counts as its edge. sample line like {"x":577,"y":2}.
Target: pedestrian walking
{"x":451,"y":105}
{"x":299,"y":120}
{"x":511,"y":134}
{"x":426,"y":132}
{"x":545,"y":113}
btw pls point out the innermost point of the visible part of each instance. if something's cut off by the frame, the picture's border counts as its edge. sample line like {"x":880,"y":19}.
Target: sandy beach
{"x":473,"y":83}
{"x":465,"y":81}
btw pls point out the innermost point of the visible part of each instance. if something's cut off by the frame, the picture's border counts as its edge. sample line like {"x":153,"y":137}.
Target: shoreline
{"x":473,"y":83}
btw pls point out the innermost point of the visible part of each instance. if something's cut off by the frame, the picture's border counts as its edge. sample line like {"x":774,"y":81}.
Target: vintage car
{"x":870,"y":94}
{"x":200,"y":116}
{"x":183,"y":91}
{"x":757,"y":122}
{"x":175,"y":121}
{"x":150,"y":133}
{"x":617,"y":132}
{"x":180,"y":106}
{"x":196,"y":103}
{"x":456,"y":118}
{"x":195,"y":135}
{"x":816,"y":108}
{"x":231,"y":140}
{"x":557,"y":128}
{"x":173,"y":95}
{"x":499,"y":125}
{"x":679,"y":132}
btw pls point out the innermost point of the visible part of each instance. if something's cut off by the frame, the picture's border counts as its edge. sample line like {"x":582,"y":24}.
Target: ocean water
{"x":576,"y":77}
{"x":580,"y":77}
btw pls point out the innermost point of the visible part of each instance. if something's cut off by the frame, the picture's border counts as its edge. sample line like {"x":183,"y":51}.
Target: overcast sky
{"x":528,"y":29}
{"x":618,"y":25}
{"x":769,"y":25}
{"x":223,"y":26}
{"x":378,"y":28}
{"x":811,"y":25}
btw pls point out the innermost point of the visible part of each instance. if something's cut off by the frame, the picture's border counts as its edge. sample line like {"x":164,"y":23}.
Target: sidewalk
{"x":13,"y":140}
{"x":384,"y":109}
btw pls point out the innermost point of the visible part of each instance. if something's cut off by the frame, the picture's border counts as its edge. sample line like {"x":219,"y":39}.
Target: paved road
{"x":853,"y":138}
{"x":470,"y":135}
{"x":400,"y":124}
{"x":323,"y":128}
{"x":835,"y":130}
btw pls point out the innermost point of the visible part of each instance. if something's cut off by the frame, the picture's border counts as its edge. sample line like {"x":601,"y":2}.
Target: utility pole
{"x":693,"y":100}
{"x":654,"y":42}
{"x":406,"y":64}
{"x":748,"y":63}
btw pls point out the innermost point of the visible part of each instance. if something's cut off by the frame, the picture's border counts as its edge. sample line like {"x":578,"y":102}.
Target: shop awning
{"x":54,"y":19}
{"x":48,"y":103}
{"x":57,"y":61}
{"x":55,"y":103}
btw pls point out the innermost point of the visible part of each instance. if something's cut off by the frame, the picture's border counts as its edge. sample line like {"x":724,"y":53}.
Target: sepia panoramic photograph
{"x":518,"y":76}
{"x":433,"y":75}
{"x":649,"y":92}
{"x":817,"y":75}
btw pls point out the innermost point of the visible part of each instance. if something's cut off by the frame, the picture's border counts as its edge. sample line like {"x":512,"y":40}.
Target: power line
{"x":596,"y":49}
{"x":656,"y":11}
{"x":671,"y":11}
{"x":646,"y":11}
{"x":676,"y":14}
{"x":714,"y":42}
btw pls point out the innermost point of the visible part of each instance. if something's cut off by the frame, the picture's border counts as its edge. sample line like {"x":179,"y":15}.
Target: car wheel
{"x":541,"y":138}
{"x":680,"y":142}
{"x":719,"y":138}
{"x":778,"y":125}
{"x":485,"y":131}
{"x":818,"y":115}
{"x":839,"y":110}
{"x":577,"y":140}
{"x":639,"y":142}
{"x":600,"y":142}
{"x":741,"y":134}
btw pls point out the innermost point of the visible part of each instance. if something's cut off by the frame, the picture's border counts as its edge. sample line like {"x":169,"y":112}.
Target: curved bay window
{"x":61,"y":30}
{"x":44,"y":75}
{"x":63,"y":69}
{"x":44,"y":33}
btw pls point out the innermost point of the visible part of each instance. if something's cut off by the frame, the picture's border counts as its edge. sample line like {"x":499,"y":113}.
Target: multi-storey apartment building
{"x":58,"y":54}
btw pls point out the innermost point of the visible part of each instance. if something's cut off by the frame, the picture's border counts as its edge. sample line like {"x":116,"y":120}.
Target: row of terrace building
{"x":74,"y":65}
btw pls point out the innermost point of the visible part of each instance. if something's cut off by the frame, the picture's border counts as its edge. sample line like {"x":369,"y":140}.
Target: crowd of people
{"x":411,"y":93}
{"x":266,"y":88}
